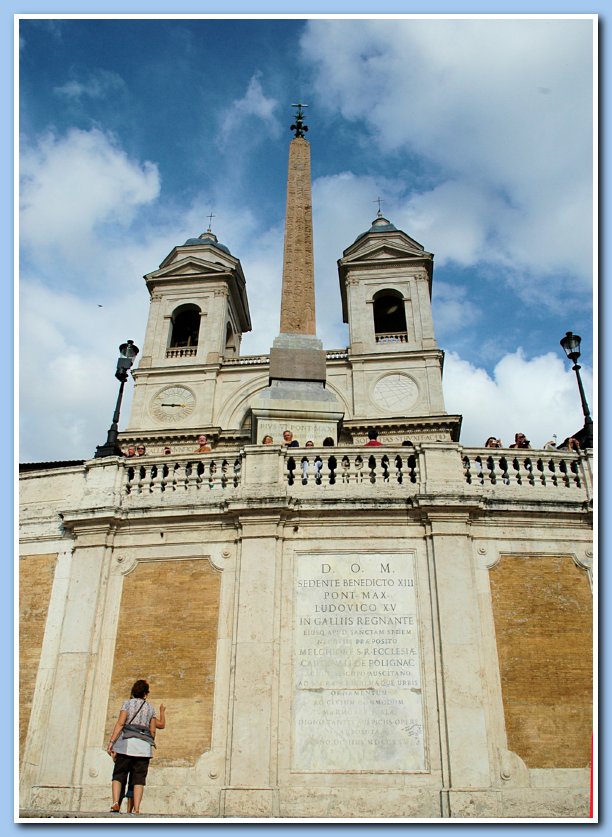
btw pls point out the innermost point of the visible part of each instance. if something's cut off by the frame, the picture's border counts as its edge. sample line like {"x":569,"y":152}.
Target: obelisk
{"x":296,"y":397}
{"x":297,"y":354}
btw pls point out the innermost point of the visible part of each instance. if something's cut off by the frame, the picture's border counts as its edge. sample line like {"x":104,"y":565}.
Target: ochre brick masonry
{"x":36,"y":574}
{"x":543,"y":623}
{"x":167,"y":634}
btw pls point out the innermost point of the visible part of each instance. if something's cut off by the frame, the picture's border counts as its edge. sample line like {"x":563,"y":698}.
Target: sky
{"x":477,"y":134}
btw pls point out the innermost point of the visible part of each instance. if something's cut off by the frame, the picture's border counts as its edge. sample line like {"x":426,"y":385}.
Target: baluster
{"x":372,"y":467}
{"x":529,"y":469}
{"x":359,"y":468}
{"x":575,"y":471}
{"x":199,"y":474}
{"x":505,"y":476}
{"x":164,"y":477}
{"x":479,"y":470}
{"x":412,"y":465}
{"x":186,"y":479}
{"x":130,"y":481}
{"x":142,"y":472}
{"x":305,"y":467}
{"x":385,"y":468}
{"x":152,"y":481}
{"x":332,"y":462}
{"x":517,"y":468}
{"x":399,"y":476}
{"x":237,"y":471}
{"x":224,"y":470}
{"x":212,"y":474}
{"x":563,"y":469}
{"x":346,"y":466}
{"x":491,"y":470}
{"x":176,"y":475}
{"x":542,"y":475}
{"x":290,"y":470}
{"x":553,"y":470}
{"x":467,"y":473}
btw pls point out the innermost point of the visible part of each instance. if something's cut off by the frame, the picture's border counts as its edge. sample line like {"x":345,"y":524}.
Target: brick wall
{"x":36,"y":573}
{"x":543,"y":623}
{"x":167,"y":634}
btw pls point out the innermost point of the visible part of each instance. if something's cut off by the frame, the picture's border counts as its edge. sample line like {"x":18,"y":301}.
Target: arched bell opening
{"x":184,"y":331}
{"x":390,"y":317}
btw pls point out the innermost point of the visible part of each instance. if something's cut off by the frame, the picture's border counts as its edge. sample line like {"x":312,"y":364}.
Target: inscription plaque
{"x":357,"y":700}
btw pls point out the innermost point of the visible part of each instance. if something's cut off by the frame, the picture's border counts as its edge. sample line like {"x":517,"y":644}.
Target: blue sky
{"x":476,"y":133}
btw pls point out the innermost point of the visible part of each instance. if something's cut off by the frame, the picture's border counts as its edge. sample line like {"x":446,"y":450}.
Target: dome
{"x":379,"y":224}
{"x":207,"y":238}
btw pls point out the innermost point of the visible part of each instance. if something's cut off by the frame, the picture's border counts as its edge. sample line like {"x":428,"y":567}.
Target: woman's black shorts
{"x":136,"y":766}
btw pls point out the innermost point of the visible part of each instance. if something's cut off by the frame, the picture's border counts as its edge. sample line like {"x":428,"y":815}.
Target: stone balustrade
{"x":179,"y":474}
{"x":527,"y":469}
{"x":431,"y":468}
{"x":392,"y":337}
{"x":184,"y":351}
{"x":350,"y":466}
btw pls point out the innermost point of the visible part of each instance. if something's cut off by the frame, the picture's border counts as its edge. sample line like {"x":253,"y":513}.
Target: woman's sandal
{"x":115,"y":809}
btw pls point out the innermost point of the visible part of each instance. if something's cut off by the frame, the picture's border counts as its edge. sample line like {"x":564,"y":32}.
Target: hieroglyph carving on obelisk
{"x":298,"y":293}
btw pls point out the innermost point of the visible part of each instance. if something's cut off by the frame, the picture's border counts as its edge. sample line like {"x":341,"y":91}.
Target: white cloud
{"x":503,"y":105}
{"x":238,"y":117}
{"x":96,"y":85}
{"x":536,"y":396}
{"x":452,"y":311}
{"x":73,"y":186}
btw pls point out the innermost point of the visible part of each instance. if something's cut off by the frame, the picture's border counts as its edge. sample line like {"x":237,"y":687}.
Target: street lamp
{"x":571,"y":346}
{"x":127,"y":352}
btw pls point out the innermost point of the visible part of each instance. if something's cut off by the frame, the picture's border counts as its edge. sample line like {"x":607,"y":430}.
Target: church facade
{"x":394,"y":630}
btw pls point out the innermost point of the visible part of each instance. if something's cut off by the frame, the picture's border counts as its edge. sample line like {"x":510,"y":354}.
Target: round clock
{"x":172,"y":403}
{"x":395,"y":392}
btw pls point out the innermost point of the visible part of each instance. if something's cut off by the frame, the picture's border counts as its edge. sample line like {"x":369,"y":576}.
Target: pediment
{"x":190,"y":266}
{"x":385,"y":251}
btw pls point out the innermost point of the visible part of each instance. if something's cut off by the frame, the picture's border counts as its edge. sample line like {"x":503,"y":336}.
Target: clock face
{"x":395,"y":392}
{"x":172,"y":403}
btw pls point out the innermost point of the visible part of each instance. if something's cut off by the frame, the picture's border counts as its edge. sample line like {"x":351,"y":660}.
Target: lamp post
{"x":571,"y":346}
{"x":127,"y":352}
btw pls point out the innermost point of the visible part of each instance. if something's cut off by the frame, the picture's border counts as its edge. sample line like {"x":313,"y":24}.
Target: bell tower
{"x":198,"y":313}
{"x":385,"y":284}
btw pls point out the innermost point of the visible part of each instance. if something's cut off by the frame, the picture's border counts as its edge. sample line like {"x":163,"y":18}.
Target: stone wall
{"x":542,"y":607}
{"x":167,"y":634}
{"x":36,"y":574}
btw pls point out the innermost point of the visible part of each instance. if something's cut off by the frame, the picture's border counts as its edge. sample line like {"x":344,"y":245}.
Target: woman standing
{"x":132,"y":743}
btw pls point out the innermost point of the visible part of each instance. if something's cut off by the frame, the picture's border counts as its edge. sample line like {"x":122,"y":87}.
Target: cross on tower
{"x":378,"y":201}
{"x":210,"y":217}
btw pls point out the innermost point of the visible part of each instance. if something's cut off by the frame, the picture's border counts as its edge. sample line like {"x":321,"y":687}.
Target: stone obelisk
{"x":296,"y":397}
{"x":297,"y":354}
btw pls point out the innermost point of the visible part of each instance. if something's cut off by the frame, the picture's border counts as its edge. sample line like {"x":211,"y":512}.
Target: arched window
{"x":185,"y":330}
{"x":390,"y":317}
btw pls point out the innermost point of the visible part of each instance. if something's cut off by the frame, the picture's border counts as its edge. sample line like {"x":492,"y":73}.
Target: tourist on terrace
{"x":571,"y":443}
{"x":267,"y":440}
{"x":131,"y":451}
{"x":328,"y":442}
{"x":521,"y":441}
{"x":372,"y":438}
{"x":203,"y":444}
{"x":289,"y":440}
{"x":492,"y":442}
{"x":140,"y":450}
